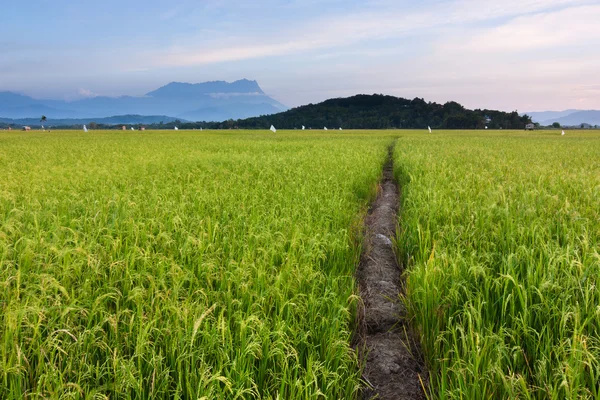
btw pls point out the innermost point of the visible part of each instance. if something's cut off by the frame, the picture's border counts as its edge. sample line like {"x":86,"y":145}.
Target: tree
{"x":93,"y":125}
{"x":556,"y":125}
{"x":43,"y":119}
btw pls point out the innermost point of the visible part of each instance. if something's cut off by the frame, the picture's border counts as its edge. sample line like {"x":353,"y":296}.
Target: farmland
{"x":189,"y":265}
{"x":221,"y":264}
{"x":502,"y":238}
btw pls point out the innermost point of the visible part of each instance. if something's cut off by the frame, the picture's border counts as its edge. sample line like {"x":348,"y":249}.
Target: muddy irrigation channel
{"x":392,"y":361}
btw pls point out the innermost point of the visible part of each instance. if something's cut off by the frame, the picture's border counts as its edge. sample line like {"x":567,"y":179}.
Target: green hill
{"x":380,"y":112}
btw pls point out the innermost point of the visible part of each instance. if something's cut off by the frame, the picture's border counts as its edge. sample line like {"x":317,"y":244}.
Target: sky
{"x":525,"y":55}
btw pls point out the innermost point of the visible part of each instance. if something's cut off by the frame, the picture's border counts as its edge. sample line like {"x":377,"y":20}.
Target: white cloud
{"x":382,"y":22}
{"x":535,"y":52}
{"x":570,"y":27}
{"x":86,"y":93}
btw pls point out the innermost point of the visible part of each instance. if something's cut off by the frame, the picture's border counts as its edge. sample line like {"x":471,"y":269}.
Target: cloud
{"x":170,"y":13}
{"x":86,"y":93}
{"x":370,"y":24}
{"x":547,"y":48}
{"x":570,"y":27}
{"x":177,"y":11}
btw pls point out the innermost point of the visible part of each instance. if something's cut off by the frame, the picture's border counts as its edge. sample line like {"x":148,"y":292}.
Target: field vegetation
{"x":220,"y":265}
{"x":502,"y":238}
{"x":181,"y":265}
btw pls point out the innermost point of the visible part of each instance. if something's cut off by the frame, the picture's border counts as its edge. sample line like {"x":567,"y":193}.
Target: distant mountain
{"x":243,"y":110}
{"x":567,"y":117}
{"x":378,"y":112}
{"x":209,"y":101}
{"x":541,"y":116}
{"x":115,"y":120}
{"x":178,"y":89}
{"x":577,"y":118}
{"x":8,"y":99}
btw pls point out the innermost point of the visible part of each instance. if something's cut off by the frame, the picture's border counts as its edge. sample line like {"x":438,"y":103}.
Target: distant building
{"x":26,"y":128}
{"x":9,"y":128}
{"x":529,"y":127}
{"x":142,"y":128}
{"x":586,"y":126}
{"x":123,"y":128}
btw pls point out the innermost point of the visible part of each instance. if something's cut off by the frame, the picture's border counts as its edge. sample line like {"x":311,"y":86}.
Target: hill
{"x":381,"y":112}
{"x":209,"y":101}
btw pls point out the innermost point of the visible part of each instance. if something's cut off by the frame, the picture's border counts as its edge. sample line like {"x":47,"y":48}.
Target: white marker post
{"x":429,"y":129}
{"x":85,"y":128}
{"x":176,"y":128}
{"x":563,"y":133}
{"x":273,"y":129}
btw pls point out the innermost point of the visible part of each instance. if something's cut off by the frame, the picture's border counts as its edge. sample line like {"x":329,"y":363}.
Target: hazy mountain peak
{"x":212,"y":101}
{"x":182,"y":89}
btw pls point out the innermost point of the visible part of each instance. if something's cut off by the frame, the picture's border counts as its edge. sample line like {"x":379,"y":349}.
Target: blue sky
{"x":515,"y":54}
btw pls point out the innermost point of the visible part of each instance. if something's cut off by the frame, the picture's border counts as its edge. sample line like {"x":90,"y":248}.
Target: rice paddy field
{"x":180,"y":265}
{"x":220,"y":265}
{"x":502,"y":238}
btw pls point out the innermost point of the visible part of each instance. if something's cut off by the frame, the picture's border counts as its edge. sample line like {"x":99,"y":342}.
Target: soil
{"x":393,"y":365}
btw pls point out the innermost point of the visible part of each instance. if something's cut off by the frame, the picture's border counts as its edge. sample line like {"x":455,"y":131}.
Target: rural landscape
{"x":221,"y":264}
{"x":294,"y":200}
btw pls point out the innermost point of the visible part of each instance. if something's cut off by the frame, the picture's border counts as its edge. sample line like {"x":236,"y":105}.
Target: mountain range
{"x":567,"y":117}
{"x":208,"y":101}
{"x":115,"y":120}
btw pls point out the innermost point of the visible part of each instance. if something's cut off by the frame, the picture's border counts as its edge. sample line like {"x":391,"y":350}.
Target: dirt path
{"x":393,"y":366}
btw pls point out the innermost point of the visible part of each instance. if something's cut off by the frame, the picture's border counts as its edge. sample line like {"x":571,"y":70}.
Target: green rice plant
{"x":205,"y":265}
{"x":501,"y":233}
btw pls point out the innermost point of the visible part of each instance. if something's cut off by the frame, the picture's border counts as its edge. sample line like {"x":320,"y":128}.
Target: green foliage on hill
{"x":379,"y":112}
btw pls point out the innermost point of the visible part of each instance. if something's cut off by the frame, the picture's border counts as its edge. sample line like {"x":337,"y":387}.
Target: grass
{"x":501,"y":233}
{"x":181,"y":265}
